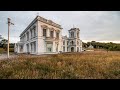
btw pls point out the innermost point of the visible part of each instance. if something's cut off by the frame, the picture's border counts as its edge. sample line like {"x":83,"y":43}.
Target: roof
{"x":74,"y":29}
{"x":39,"y":18}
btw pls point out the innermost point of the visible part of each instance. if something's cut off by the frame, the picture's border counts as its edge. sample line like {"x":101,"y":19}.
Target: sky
{"x":102,"y":26}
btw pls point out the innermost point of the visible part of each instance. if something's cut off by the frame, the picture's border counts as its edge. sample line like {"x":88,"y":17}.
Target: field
{"x":85,"y":65}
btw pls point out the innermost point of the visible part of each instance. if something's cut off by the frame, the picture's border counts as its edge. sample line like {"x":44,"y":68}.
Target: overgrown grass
{"x":87,"y":65}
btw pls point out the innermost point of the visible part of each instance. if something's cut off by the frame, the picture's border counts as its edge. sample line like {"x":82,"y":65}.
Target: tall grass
{"x":87,"y":65}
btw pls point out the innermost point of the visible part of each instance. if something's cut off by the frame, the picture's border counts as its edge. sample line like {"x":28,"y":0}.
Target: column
{"x":65,"y":45}
{"x":48,"y":32}
{"x":54,"y":46}
{"x":18,"y":48}
{"x":29,"y":47}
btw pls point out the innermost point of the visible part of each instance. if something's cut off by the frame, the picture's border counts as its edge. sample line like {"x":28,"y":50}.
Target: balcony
{"x":50,"y":38}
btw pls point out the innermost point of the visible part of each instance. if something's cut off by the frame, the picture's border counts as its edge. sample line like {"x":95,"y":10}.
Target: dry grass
{"x":87,"y":65}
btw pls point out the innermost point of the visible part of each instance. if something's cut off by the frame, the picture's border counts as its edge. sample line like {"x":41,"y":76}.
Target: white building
{"x":43,"y":36}
{"x":73,"y":42}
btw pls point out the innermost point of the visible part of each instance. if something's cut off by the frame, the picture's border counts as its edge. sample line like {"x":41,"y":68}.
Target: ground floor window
{"x":27,"y":48}
{"x":33,"y":47}
{"x":77,"y":49}
{"x":21,"y":48}
{"x":49,"y":47}
{"x":67,"y":49}
{"x":63,"y":49}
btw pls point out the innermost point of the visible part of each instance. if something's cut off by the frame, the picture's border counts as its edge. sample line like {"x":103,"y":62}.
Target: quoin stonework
{"x":44,"y":36}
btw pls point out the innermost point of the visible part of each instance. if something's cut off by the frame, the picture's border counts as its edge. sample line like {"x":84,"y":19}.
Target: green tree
{"x":4,"y":41}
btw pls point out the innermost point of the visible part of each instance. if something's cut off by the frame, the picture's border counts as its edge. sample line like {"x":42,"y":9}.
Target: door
{"x":72,"y":49}
{"x":49,"y":47}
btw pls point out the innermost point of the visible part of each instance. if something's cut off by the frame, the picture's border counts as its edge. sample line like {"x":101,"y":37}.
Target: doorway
{"x":72,"y":49}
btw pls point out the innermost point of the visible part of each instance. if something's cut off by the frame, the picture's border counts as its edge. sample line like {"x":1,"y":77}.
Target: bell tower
{"x":74,"y":40}
{"x":74,"y":33}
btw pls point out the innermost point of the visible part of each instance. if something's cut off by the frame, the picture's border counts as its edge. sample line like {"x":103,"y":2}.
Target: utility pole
{"x":9,"y":23}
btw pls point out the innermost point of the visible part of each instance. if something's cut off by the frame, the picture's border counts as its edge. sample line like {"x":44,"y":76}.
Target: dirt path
{"x":4,"y":56}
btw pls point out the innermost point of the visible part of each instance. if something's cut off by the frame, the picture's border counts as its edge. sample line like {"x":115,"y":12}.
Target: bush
{"x":1,"y":50}
{"x":11,"y":49}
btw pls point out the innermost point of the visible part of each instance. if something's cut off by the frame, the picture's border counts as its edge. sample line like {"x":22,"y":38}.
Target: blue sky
{"x":101,"y":26}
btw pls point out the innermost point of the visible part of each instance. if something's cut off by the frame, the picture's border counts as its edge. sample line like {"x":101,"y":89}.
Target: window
{"x":67,"y":42}
{"x":63,"y":42}
{"x":21,"y":48}
{"x":27,"y":36}
{"x":34,"y":46}
{"x":49,"y":49}
{"x":67,"y":48}
{"x":51,"y":34}
{"x":77,"y":49}
{"x":49,"y":46}
{"x":27,"y":48}
{"x":31,"y":33}
{"x":78,"y":34}
{"x":44,"y":32}
{"x":34,"y":31}
{"x":72,"y":42}
{"x":57,"y":35}
{"x":72,"y":34}
{"x":63,"y":49}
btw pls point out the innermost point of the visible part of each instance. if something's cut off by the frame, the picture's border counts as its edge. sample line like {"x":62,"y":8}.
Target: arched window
{"x":78,"y":34}
{"x":72,"y":34}
{"x":72,"y":43}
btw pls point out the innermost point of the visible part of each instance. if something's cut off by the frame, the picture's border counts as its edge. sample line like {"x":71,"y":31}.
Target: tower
{"x":74,"y":40}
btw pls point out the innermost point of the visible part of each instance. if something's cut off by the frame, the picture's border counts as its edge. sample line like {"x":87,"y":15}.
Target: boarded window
{"x":44,"y":32}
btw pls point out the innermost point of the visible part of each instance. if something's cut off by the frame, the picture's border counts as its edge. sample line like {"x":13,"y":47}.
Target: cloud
{"x":94,"y":25}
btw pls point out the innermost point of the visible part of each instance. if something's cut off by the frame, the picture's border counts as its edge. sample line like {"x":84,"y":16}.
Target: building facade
{"x":43,"y":36}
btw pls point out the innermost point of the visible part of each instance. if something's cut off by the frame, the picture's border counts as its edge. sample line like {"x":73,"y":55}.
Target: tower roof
{"x":74,"y":29}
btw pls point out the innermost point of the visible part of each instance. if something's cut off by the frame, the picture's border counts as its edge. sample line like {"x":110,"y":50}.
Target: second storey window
{"x":44,"y":32}
{"x":51,"y":34}
{"x":34,"y":32}
{"x":57,"y":35}
{"x":78,"y":34}
{"x":31,"y":32}
{"x":27,"y":36}
{"x":72,"y":34}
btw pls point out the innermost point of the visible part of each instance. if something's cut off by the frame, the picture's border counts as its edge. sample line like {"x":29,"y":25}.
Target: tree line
{"x":3,"y":43}
{"x":98,"y":45}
